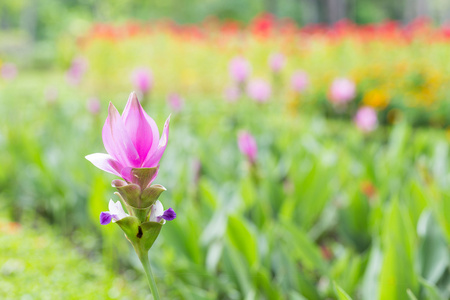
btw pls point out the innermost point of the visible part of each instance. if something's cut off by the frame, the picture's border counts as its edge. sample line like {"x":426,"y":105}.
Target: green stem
{"x":143,"y":257}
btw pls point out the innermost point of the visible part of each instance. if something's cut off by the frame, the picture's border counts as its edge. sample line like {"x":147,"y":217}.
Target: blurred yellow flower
{"x":376,"y":98}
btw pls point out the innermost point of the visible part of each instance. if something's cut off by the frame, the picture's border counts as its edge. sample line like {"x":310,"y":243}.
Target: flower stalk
{"x":143,"y":257}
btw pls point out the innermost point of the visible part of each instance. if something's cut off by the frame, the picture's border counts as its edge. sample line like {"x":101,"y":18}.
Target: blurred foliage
{"x":47,"y":267}
{"x":327,"y":212}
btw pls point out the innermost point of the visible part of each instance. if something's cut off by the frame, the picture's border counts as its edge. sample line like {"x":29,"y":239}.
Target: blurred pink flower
{"x":240,"y":69}
{"x":93,"y":105}
{"x":142,"y":79}
{"x":276,"y":62}
{"x":8,"y":71}
{"x":342,"y":90}
{"x":131,"y":140}
{"x":175,"y":101}
{"x":247,"y":145}
{"x":51,"y":94}
{"x":299,"y":81}
{"x":77,"y":70}
{"x":259,"y":90}
{"x":366,"y":119}
{"x":232,"y":93}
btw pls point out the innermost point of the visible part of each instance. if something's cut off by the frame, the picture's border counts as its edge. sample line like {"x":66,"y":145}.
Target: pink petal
{"x":153,"y":158}
{"x":105,"y":162}
{"x":141,"y":129}
{"x":116,"y":140}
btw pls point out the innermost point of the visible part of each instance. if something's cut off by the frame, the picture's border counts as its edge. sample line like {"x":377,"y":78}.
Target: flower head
{"x":239,"y":69}
{"x":175,"y":102}
{"x":142,"y":78}
{"x":342,"y":90}
{"x":114,"y":214}
{"x":131,"y":140}
{"x":232,"y":93}
{"x":77,"y":70}
{"x":276,"y":62}
{"x":93,"y":105}
{"x":9,"y":71}
{"x":366,"y":119}
{"x":299,"y":81}
{"x":259,"y":90}
{"x":247,"y":145}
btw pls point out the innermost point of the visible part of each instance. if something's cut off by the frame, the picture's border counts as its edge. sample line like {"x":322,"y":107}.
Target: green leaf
{"x":340,"y":293}
{"x":241,"y":238}
{"x":431,"y":290}
{"x":398,"y":273}
{"x":303,"y":248}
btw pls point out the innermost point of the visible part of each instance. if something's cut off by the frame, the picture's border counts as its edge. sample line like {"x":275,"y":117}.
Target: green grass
{"x":36,"y":263}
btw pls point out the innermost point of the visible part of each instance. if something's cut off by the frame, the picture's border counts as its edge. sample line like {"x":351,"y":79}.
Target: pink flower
{"x":9,"y":71}
{"x":51,"y":94}
{"x":93,"y":105}
{"x":366,"y":119}
{"x":247,"y":145}
{"x":299,"y":81}
{"x":142,"y":79}
{"x":276,"y":62}
{"x":175,"y":101}
{"x":259,"y":90}
{"x":239,"y":69}
{"x":77,"y":70}
{"x":131,"y":140}
{"x":232,"y":93}
{"x":342,"y":90}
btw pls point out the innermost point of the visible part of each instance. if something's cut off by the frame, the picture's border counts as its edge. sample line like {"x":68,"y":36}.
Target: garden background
{"x":345,"y":197}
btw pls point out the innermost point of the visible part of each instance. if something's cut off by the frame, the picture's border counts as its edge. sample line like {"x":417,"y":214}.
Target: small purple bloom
{"x":366,"y":119}
{"x":131,"y":140}
{"x":247,"y":145}
{"x":276,"y":62}
{"x":157,"y":213}
{"x":239,"y":69}
{"x":259,"y":90}
{"x":115,"y":213}
{"x":77,"y":70}
{"x":299,"y":81}
{"x":342,"y":90}
{"x":175,"y":101}
{"x":105,"y":218}
{"x":93,"y":106}
{"x":9,"y":71}
{"x":169,"y":214}
{"x":142,"y":79}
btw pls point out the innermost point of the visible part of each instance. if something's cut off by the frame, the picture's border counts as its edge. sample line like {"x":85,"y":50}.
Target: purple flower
{"x":259,"y":90}
{"x":175,"y":101}
{"x":9,"y":71}
{"x":157,"y":213}
{"x":142,"y":78}
{"x":93,"y":105}
{"x":276,"y":62}
{"x":239,"y":69}
{"x":131,"y":140}
{"x":342,"y":90}
{"x":366,"y":119}
{"x":114,"y":214}
{"x":77,"y":70}
{"x":247,"y":145}
{"x":299,"y":81}
{"x":232,"y":93}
